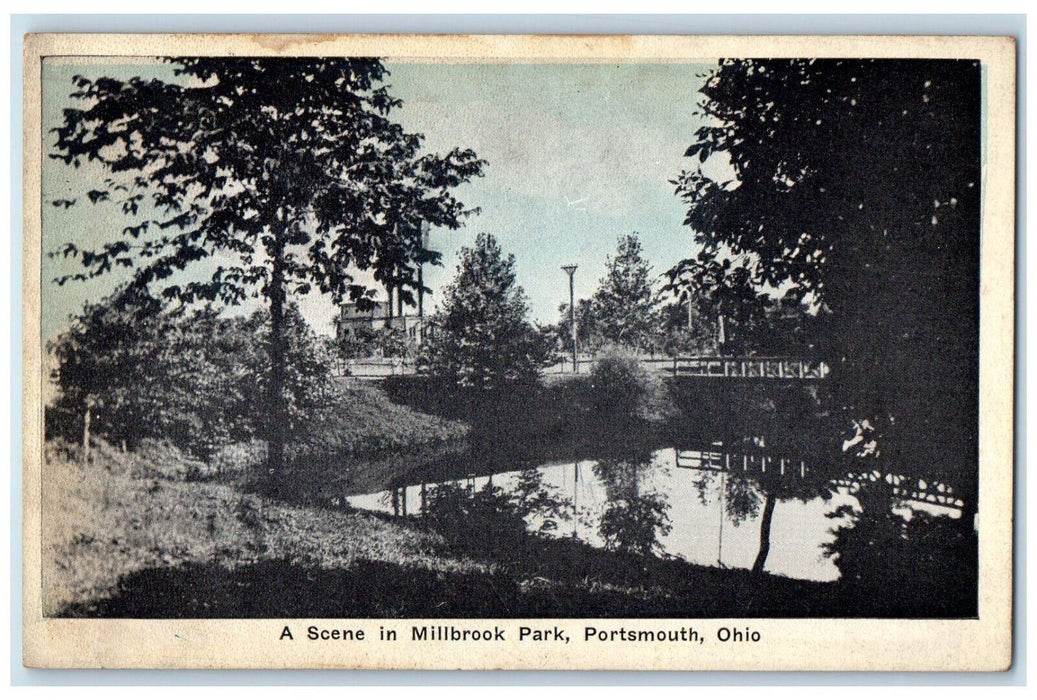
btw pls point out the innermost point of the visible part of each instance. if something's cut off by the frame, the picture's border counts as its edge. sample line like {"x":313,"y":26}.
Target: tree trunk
{"x":765,"y":533}
{"x":276,"y":411}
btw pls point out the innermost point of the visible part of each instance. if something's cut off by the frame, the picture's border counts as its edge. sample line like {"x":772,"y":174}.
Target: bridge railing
{"x":716,"y":459}
{"x":692,"y":366}
{"x":749,"y":367}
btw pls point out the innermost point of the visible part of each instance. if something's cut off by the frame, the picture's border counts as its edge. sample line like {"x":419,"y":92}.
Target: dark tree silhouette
{"x":735,"y":306}
{"x":286,"y":173}
{"x":856,"y":183}
{"x":898,"y":565}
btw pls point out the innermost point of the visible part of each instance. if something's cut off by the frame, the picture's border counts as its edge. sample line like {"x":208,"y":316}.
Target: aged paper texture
{"x":518,"y":352}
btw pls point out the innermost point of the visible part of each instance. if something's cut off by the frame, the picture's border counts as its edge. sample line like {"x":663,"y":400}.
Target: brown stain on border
{"x":282,"y":42}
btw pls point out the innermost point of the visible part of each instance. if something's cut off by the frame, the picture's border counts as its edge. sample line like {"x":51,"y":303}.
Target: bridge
{"x":748,"y":367}
{"x":710,"y":366}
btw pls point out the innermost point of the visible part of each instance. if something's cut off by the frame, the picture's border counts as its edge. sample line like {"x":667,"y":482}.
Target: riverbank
{"x":124,"y":536}
{"x":127,"y":536}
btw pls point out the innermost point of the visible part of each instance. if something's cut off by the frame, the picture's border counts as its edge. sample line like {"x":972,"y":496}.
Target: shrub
{"x":197,"y":380}
{"x":479,"y":520}
{"x":619,"y":385}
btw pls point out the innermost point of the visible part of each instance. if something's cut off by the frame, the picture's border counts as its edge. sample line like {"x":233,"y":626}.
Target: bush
{"x":480,"y":520}
{"x":196,"y":380}
{"x":619,"y":385}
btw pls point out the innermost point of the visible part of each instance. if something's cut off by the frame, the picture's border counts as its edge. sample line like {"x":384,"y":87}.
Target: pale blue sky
{"x":578,"y":155}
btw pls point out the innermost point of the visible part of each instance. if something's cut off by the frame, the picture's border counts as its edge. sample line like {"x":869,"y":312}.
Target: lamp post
{"x":572,"y":312}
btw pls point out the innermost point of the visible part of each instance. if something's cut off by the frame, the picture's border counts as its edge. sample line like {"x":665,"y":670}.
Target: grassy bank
{"x":357,"y":419}
{"x":129,"y":535}
{"x":124,"y":515}
{"x":355,"y":441}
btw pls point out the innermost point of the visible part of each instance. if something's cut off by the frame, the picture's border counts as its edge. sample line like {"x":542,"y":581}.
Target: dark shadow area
{"x":525,"y":426}
{"x":787,"y":413}
{"x":616,"y":586}
{"x":903,"y":565}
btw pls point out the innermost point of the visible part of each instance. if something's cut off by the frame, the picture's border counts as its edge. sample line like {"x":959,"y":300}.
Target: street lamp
{"x":572,"y":312}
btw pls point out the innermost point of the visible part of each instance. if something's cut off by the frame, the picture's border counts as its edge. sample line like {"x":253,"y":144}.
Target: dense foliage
{"x":899,"y":557}
{"x":618,"y":384}
{"x":194,"y":378}
{"x":624,"y":302}
{"x":855,"y":186}
{"x":622,"y":310}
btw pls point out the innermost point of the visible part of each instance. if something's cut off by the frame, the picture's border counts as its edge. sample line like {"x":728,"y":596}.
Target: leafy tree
{"x":727,"y":298}
{"x":130,"y":373}
{"x":286,"y":173}
{"x":194,"y":378}
{"x":676,"y":338}
{"x":101,"y":360}
{"x":482,"y":338}
{"x":624,"y":304}
{"x":856,"y":183}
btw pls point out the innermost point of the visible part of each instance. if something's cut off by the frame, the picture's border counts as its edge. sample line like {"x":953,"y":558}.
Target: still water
{"x":709,"y":515}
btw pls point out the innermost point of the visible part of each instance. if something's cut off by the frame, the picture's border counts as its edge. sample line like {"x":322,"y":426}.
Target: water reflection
{"x":634,"y":518}
{"x":751,"y":486}
{"x":709,"y":508}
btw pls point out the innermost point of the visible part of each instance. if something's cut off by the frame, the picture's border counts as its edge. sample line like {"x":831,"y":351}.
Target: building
{"x":351,"y":322}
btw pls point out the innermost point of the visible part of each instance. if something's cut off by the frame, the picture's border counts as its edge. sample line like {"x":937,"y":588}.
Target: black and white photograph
{"x":468,"y":342}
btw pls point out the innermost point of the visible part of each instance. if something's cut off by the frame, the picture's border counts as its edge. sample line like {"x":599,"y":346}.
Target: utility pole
{"x":572,"y":312}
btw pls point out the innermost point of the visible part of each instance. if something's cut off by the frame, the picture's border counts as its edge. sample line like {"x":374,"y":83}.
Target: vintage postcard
{"x":519,"y":352}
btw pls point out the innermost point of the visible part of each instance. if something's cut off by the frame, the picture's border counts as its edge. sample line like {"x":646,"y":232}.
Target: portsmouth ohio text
{"x":622,"y":634}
